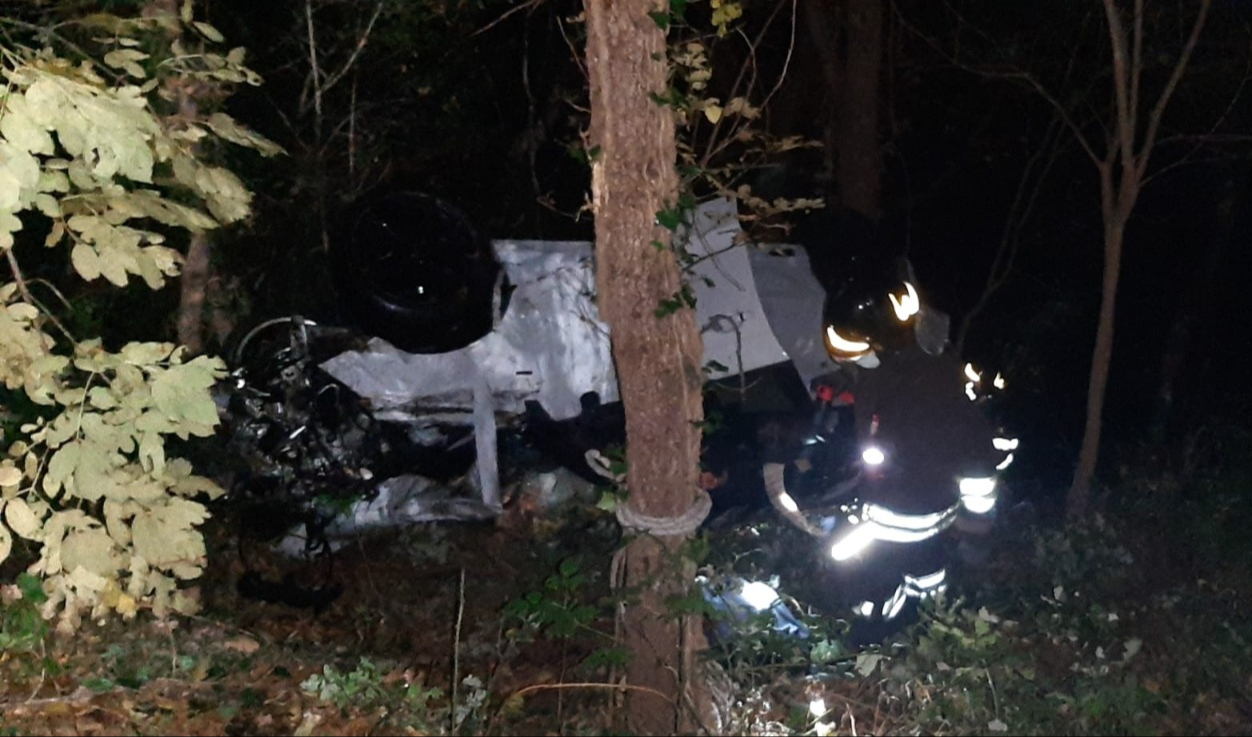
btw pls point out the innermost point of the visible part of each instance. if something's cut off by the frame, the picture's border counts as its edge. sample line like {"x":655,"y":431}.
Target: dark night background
{"x":485,"y":115}
{"x":511,"y":620}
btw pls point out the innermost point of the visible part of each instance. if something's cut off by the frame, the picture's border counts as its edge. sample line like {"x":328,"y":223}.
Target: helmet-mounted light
{"x":973,"y":378}
{"x":873,"y":456}
{"x":906,"y":304}
{"x":845,"y":347}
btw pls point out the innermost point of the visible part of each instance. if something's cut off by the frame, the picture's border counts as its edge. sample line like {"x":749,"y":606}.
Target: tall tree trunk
{"x":1079,"y":497}
{"x":193,"y":292}
{"x":197,"y":267}
{"x":657,"y":359}
{"x":1127,"y":157}
{"x":858,"y":159}
{"x":821,"y":17}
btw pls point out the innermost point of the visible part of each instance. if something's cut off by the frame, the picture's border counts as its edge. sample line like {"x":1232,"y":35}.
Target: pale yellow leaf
{"x":30,"y":465}
{"x":242,"y":644}
{"x":86,"y":261}
{"x":152,"y":452}
{"x":98,"y":473}
{"x":10,"y":190}
{"x":48,"y":205}
{"x":60,"y":468}
{"x":86,"y":582}
{"x":51,"y":180}
{"x":116,"y":514}
{"x":101,"y":397}
{"x":209,"y":31}
{"x":165,"y":536}
{"x":125,"y":59}
{"x":21,"y":128}
{"x":19,"y":517}
{"x":195,"y":485}
{"x":10,"y":475}
{"x":92,"y":549}
{"x":126,"y":606}
{"x":227,"y":127}
{"x":23,"y":311}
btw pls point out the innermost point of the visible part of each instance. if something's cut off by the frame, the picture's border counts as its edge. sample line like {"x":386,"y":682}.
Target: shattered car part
{"x":312,"y":451}
{"x":549,"y":351}
{"x":398,"y":501}
{"x":546,"y":360}
{"x":550,"y":345}
{"x":413,"y":269}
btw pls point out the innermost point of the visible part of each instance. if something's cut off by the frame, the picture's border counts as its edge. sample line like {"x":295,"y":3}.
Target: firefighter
{"x":928,"y":455}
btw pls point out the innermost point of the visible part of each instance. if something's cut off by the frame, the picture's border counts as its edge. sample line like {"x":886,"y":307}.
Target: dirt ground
{"x":415,"y":606}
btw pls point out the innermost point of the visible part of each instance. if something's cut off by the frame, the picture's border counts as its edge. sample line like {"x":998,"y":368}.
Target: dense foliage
{"x":101,"y":159}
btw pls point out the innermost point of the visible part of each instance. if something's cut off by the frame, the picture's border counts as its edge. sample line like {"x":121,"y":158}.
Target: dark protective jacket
{"x":914,"y":408}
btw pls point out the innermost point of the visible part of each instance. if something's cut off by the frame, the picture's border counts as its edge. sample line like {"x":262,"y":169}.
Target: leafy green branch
{"x":114,"y":175}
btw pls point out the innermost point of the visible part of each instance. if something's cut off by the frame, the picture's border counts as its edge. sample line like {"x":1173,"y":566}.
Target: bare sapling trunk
{"x":1122,"y":170}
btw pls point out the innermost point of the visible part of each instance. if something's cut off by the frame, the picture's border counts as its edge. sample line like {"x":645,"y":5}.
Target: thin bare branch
{"x":1136,"y":66}
{"x":23,"y":288}
{"x":1014,"y":75}
{"x":713,"y":148}
{"x":791,"y":47}
{"x":315,"y":71}
{"x":361,"y":41}
{"x":1029,"y":189}
{"x":1124,"y":137}
{"x":1208,"y":138}
{"x":503,"y":16}
{"x":574,"y":54}
{"x":1158,"y":111}
{"x":352,"y":129}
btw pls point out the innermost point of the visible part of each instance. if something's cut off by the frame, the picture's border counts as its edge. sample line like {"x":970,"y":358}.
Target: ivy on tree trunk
{"x":657,"y":359}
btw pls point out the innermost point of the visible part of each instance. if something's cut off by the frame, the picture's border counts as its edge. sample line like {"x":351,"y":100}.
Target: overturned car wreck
{"x":463,"y":353}
{"x":326,"y":397}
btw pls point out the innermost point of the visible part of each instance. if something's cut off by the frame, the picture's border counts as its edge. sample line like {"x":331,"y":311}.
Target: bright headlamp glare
{"x":907,"y":304}
{"x":758,"y":595}
{"x":978,"y":495}
{"x":873,"y":456}
{"x":845,"y":347}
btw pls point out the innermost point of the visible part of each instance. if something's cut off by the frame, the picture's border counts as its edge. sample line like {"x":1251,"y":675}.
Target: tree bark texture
{"x":192,"y":293}
{"x":657,"y":359}
{"x":197,"y":266}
